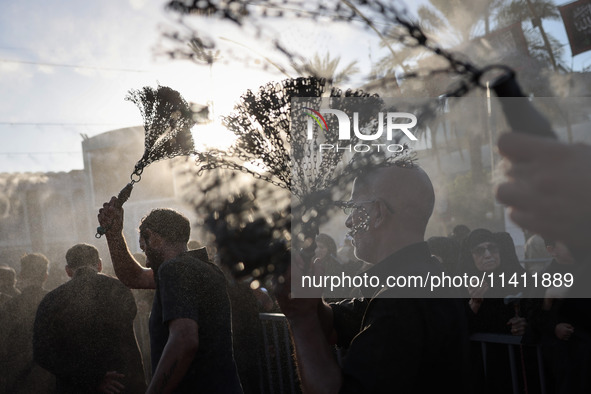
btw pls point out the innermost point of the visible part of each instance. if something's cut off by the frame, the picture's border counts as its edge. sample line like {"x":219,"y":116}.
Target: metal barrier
{"x":278,"y":363}
{"x":513,"y":343}
{"x":280,"y":370}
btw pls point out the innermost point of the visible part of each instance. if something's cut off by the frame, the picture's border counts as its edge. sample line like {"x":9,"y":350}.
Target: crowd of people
{"x":80,"y":337}
{"x":87,"y":335}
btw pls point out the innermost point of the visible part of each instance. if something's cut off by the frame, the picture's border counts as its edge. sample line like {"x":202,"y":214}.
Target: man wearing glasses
{"x":395,"y":343}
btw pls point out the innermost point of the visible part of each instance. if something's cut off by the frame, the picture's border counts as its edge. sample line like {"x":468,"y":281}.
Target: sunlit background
{"x":66,"y":67}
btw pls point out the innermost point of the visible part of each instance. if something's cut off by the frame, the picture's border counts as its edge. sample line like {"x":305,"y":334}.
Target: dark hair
{"x":34,"y":266}
{"x":509,"y":259}
{"x":549,"y":242}
{"x":194,"y":244}
{"x":168,"y":223}
{"x":82,"y":255}
{"x":460,"y":232}
{"x":327,"y":241}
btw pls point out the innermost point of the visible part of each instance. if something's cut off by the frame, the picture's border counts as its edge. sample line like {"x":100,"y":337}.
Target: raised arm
{"x":317,"y":366}
{"x":127,"y":269}
{"x":311,"y":326}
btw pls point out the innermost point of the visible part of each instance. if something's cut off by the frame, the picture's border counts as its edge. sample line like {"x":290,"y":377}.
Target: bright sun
{"x":212,"y":136}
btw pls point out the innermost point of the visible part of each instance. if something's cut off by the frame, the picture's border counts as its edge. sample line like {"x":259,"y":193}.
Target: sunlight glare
{"x":212,"y":136}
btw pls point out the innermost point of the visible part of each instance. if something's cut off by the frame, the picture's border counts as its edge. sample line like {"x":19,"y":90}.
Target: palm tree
{"x":452,"y":23}
{"x":456,"y":21}
{"x":542,"y":45}
{"x":325,"y":67}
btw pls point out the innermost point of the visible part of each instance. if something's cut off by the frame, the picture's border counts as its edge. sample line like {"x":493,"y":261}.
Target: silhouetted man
{"x":84,"y":330}
{"x":395,"y":344}
{"x":18,"y":372}
{"x":190,"y":324}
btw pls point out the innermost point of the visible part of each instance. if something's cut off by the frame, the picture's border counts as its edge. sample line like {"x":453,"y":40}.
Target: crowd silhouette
{"x":90,"y":334}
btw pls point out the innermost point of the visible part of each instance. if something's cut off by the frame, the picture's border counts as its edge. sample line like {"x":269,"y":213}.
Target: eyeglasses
{"x":349,"y":207}
{"x":481,"y":250}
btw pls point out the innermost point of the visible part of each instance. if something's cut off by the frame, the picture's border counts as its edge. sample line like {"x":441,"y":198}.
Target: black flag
{"x":577,"y":21}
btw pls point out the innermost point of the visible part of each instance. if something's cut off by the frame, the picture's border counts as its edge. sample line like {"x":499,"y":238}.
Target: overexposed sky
{"x":66,"y":66}
{"x":48,"y":102}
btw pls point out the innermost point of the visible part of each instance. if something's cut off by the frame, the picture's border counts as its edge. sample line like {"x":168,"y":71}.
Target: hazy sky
{"x":66,"y":66}
{"x":47,"y":104}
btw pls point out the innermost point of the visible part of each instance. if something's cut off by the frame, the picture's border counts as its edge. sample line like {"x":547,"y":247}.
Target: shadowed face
{"x":321,"y":251}
{"x":389,"y":209}
{"x":561,"y":253}
{"x":154,"y":257}
{"x":486,"y":256}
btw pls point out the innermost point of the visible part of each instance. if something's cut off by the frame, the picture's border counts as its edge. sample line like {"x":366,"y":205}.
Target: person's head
{"x":559,"y":251}
{"x":82,"y":255}
{"x":481,"y":250}
{"x":33,"y":272}
{"x":325,"y":246}
{"x":7,"y":278}
{"x":390,"y":210}
{"x":535,"y":248}
{"x":460,"y":232}
{"x":194,"y":244}
{"x":164,"y":233}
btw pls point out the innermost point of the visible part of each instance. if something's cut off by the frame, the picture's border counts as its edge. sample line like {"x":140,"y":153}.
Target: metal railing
{"x":278,"y":363}
{"x":513,"y":344}
{"x":280,"y":369}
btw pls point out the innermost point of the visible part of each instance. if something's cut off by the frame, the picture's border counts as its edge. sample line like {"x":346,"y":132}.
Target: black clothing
{"x":403,"y":345}
{"x":509,"y":262}
{"x":4,"y":298}
{"x":83,"y":329}
{"x":493,"y":315}
{"x":247,"y":335}
{"x":18,"y":372}
{"x":567,"y":361}
{"x":190,"y":287}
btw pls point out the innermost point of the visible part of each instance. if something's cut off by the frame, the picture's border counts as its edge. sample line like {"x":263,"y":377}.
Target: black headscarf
{"x":509,"y":261}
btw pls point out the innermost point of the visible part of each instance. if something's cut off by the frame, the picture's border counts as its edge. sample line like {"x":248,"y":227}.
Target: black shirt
{"x":17,"y":369}
{"x":83,"y":329}
{"x":403,"y":345}
{"x":190,"y":287}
